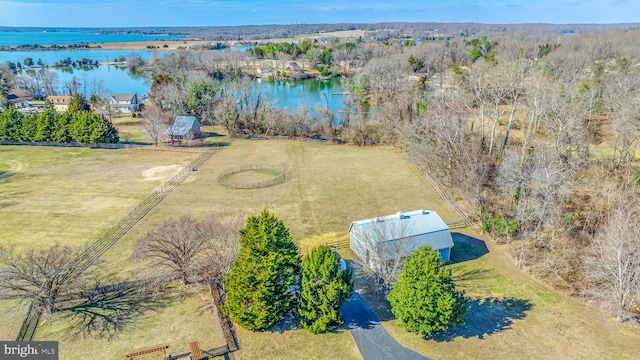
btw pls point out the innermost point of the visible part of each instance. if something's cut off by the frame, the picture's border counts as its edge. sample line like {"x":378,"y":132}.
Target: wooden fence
{"x":108,"y":239}
{"x":301,"y":139}
{"x":463,"y":219}
{"x":223,"y":177}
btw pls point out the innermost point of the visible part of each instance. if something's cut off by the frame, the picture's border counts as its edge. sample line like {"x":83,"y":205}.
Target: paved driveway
{"x":374,"y":342}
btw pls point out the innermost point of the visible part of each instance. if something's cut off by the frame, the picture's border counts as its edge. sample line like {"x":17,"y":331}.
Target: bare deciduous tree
{"x":173,"y":249}
{"x":386,"y":246}
{"x":613,"y":263}
{"x":222,"y":233}
{"x":42,"y":277}
{"x":155,"y":122}
{"x":191,"y":250}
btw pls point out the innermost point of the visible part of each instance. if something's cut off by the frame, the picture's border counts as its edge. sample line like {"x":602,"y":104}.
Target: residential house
{"x":382,"y":238}
{"x":59,"y":103}
{"x":125,"y":103}
{"x":184,"y":127}
{"x":347,"y":64}
{"x":293,"y":66}
{"x":19,"y":98}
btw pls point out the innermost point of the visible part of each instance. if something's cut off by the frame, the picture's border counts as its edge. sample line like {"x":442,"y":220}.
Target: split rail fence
{"x":107,"y":240}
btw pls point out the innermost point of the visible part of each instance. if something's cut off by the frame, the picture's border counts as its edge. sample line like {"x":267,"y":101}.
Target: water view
{"x":15,"y":38}
{"x":114,"y":79}
{"x":50,"y":57}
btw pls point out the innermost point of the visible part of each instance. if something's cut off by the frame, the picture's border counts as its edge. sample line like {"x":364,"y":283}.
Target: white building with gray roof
{"x":382,"y":238}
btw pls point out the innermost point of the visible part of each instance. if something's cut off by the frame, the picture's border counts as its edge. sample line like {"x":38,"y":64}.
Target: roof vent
{"x":400,"y":215}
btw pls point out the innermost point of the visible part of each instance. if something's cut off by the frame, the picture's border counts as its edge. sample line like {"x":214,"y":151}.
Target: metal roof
{"x":402,"y":225}
{"x":183,"y":125}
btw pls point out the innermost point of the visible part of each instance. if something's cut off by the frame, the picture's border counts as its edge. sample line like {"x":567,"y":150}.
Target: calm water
{"x":51,"y":57}
{"x":283,"y":94}
{"x":15,"y":38}
{"x":290,"y":94}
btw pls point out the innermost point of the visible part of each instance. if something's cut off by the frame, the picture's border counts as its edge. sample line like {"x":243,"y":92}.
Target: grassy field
{"x":327,"y":187}
{"x":73,"y":195}
{"x":188,"y":316}
{"x":514,"y":316}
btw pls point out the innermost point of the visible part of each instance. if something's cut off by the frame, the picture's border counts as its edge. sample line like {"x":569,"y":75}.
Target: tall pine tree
{"x":424,"y":298}
{"x":323,"y":290}
{"x":267,"y":266}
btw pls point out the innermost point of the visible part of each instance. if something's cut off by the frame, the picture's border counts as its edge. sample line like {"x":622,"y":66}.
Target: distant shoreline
{"x":161,"y":45}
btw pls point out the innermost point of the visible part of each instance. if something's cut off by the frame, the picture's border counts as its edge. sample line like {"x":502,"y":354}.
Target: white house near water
{"x":381,"y":238}
{"x":125,"y":103}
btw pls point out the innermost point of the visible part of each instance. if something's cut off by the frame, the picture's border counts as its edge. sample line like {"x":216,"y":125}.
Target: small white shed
{"x":380,"y":238}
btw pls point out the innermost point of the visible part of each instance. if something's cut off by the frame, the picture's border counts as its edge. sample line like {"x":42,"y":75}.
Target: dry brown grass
{"x":327,"y":187}
{"x":72,"y":195}
{"x":190,"y":317}
{"x":515,"y":316}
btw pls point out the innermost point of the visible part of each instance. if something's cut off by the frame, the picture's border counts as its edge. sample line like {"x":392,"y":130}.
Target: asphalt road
{"x":374,"y":342}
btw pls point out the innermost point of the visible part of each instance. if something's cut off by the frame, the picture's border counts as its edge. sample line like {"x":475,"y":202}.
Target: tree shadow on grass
{"x":466,"y":248}
{"x":486,"y":317}
{"x":106,"y":310}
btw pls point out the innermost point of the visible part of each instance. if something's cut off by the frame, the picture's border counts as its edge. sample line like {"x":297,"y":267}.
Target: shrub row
{"x":83,"y":127}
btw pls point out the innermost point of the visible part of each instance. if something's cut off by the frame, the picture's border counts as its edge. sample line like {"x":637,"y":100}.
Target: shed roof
{"x":403,"y":225}
{"x":183,"y":125}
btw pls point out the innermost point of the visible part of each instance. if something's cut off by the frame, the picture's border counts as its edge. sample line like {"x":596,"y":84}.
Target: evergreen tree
{"x":60,"y":130}
{"x":424,"y":298}
{"x":28,"y":127}
{"x":88,"y":128}
{"x":323,"y":290}
{"x":45,"y":125}
{"x":10,"y":120}
{"x":267,"y":266}
{"x":78,"y":103}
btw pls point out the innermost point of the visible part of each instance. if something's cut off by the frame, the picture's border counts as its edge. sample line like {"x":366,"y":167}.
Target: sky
{"x":171,"y":13}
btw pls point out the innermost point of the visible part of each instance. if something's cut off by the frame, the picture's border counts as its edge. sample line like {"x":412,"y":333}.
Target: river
{"x":283,"y":94}
{"x":16,"y":38}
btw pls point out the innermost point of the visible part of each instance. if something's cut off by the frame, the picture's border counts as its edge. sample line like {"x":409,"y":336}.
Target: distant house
{"x":184,"y":126}
{"x":125,"y":103}
{"x":19,"y":98}
{"x":347,"y":64}
{"x":379,"y":239}
{"x":59,"y":103}
{"x":263,"y":70}
{"x":293,"y":66}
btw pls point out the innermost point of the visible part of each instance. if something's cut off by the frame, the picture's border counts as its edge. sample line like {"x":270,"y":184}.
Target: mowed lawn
{"x":513,"y":316}
{"x":327,"y":187}
{"x":72,"y":196}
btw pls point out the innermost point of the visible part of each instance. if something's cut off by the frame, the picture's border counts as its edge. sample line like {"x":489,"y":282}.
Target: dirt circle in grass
{"x":252,"y":177}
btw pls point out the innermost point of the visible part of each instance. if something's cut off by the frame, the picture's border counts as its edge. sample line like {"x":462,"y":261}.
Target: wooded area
{"x":534,"y":132}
